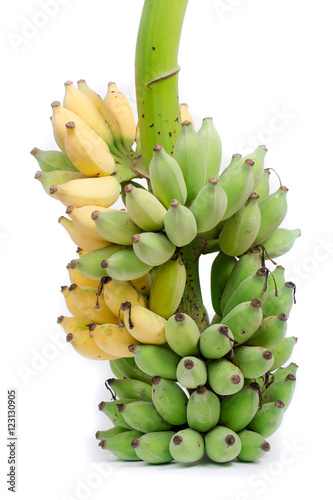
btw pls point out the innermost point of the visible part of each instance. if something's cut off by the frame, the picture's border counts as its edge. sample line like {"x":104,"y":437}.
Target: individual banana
{"x":280,"y":300}
{"x":244,"y":320}
{"x":112,"y":339}
{"x":80,"y":239}
{"x":90,"y":263}
{"x":234,"y":159}
{"x":111,"y":410}
{"x":85,"y":299}
{"x":268,"y":419}
{"x":281,"y":390}
{"x":83,"y":222}
{"x":73,"y":324}
{"x":69,"y":298}
{"x":130,"y":388}
{"x":153,"y":447}
{"x":262,"y":189}
{"x":76,"y":277}
{"x":50,"y":161}
{"x":281,"y":241}
{"x":84,"y":344}
{"x":253,"y":361}
{"x":258,"y":157}
{"x":125,"y":265}
{"x":115,"y":226}
{"x":203,"y":410}
{"x":276,"y":279}
{"x":117,"y":292}
{"x":219,"y":275}
{"x":153,"y":249}
{"x":180,"y":224}
{"x":103,"y":191}
{"x":185,"y":114}
{"x":238,"y":410}
{"x":190,"y":155}
{"x":144,"y":325}
{"x":144,"y":208}
{"x":191,"y":372}
{"x":254,"y":446}
{"x":121,"y":445}
{"x":47,"y":179}
{"x":120,"y":108}
{"x":273,"y":210}
{"x":283,"y":351}
{"x":282,"y":372}
{"x":128,"y":368}
{"x":187,"y":446}
{"x":224,"y":377}
{"x":216,"y":341}
{"x":237,"y":183}
{"x":169,"y":400}
{"x":212,"y":147}
{"x":253,"y":287}
{"x":182,"y":335}
{"x":222,"y":444}
{"x":270,"y":333}
{"x":167,"y":288}
{"x":110,"y":433}
{"x":209,"y":205}
{"x":143,"y":416}
{"x":156,"y":360}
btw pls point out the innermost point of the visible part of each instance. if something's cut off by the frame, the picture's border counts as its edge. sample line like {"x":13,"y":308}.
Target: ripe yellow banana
{"x":144,"y":325}
{"x":185,"y":115}
{"x":117,"y":292}
{"x":76,"y":277}
{"x":79,"y":238}
{"x":82,"y":220}
{"x":70,"y":302}
{"x":84,"y":344}
{"x":103,"y":191}
{"x":113,"y":339}
{"x":143,"y":284}
{"x":74,"y":324}
{"x":85,"y":299}
{"x":121,"y":109}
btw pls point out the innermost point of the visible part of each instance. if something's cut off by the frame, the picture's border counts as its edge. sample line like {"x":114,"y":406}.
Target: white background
{"x":246,"y":63}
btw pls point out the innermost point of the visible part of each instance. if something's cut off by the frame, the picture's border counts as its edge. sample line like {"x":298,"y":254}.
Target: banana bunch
{"x":185,"y":385}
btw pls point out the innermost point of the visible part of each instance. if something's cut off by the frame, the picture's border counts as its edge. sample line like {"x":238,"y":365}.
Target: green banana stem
{"x":156,"y":75}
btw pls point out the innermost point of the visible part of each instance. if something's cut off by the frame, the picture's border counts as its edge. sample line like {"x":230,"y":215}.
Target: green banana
{"x":130,"y":388}
{"x":222,"y":444}
{"x":156,"y":360}
{"x":187,"y":446}
{"x":234,"y":159}
{"x":276,"y":279}
{"x":240,"y":231}
{"x":143,"y":416}
{"x":224,"y":377}
{"x":110,"y":433}
{"x":281,"y":390}
{"x":239,"y":409}
{"x":203,"y":410}
{"x":124,"y":265}
{"x":126,"y":183}
{"x":180,"y":224}
{"x":273,"y":209}
{"x":270,"y":333}
{"x":53,"y":160}
{"x":268,"y":419}
{"x":281,"y":373}
{"x":90,"y":264}
{"x":257,"y":157}
{"x":253,"y":361}
{"x":120,"y":445}
{"x":167,"y":288}
{"x":281,"y":241}
{"x":153,"y":248}
{"x":254,"y":446}
{"x":212,"y":147}
{"x":182,"y":334}
{"x":283,"y":352}
{"x":128,"y":369}
{"x":191,"y":372}
{"x":209,"y":205}
{"x":190,"y":155}
{"x":253,"y":287}
{"x":166,"y":177}
{"x":115,"y":226}
{"x":48,"y":179}
{"x":111,"y":410}
{"x":262,"y":189}
{"x":244,"y":319}
{"x":216,"y":341}
{"x":145,"y":210}
{"x":169,"y":400}
{"x":280,"y":301}
{"x":116,"y":372}
{"x":153,"y":447}
{"x":220,"y":272}
{"x":238,"y":185}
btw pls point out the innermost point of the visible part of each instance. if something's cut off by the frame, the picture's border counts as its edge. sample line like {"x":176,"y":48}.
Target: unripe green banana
{"x":180,"y":224}
{"x":116,"y":372}
{"x":281,"y":373}
{"x":253,"y":361}
{"x":53,"y":160}
{"x":110,"y":433}
{"x":190,"y":155}
{"x":48,"y":179}
{"x":222,"y":444}
{"x":262,"y":189}
{"x":212,"y":147}
{"x":156,"y":360}
{"x":283,"y":352}
{"x":128,"y":368}
{"x":270,"y":333}
{"x":240,"y":231}
{"x":169,"y":400}
{"x":90,"y":263}
{"x":281,"y":390}
{"x":220,"y":272}
{"x":224,"y":377}
{"x":167,"y":288}
{"x":144,"y":208}
{"x":209,"y":205}
{"x":182,"y":334}
{"x":166,"y":177}
{"x":187,"y":446}
{"x":244,"y":319}
{"x":238,"y":185}
{"x":143,"y":416}
{"x":115,"y":226}
{"x":280,"y":301}
{"x":111,"y":410}
{"x":126,"y":183}
{"x":124,"y":265}
{"x":268,"y":419}
{"x":203,"y":410}
{"x":273,"y":210}
{"x":153,"y":447}
{"x":130,"y":388}
{"x":276,"y":279}
{"x":281,"y":241}
{"x":216,"y":341}
{"x":254,"y":446}
{"x":253,"y":287}
{"x":239,"y":409}
{"x":121,"y":445}
{"x":153,"y":248}
{"x":191,"y":372}
{"x":257,"y":157}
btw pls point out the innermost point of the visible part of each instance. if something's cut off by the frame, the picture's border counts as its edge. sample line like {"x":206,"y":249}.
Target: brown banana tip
{"x":132,"y":347}
{"x":201,"y":390}
{"x":236,"y":155}
{"x":290,"y":376}
{"x":213,"y":181}
{"x":60,"y":218}
{"x":282,"y":317}
{"x":188,"y":364}
{"x":174,"y":203}
{"x":72,"y":287}
{"x":179,"y":317}
{"x":81,"y":81}
{"x":121,"y":407}
{"x":135,"y":443}
{"x":69,"y":209}
{"x":235,"y":379}
{"x":69,"y":337}
{"x":53,"y":188}
{"x":63,"y":288}
{"x":267,"y":355}
{"x":95,"y":214}
{"x":60,"y":319}
{"x":249,"y":162}
{"x":284,"y":188}
{"x":290,"y":284}
{"x":186,"y":123}
{"x":296,"y":339}
{"x":156,"y":380}
{"x":177,"y":440}
{"x":104,"y":263}
{"x":295,"y":365}
{"x":70,"y":125}
{"x":267,"y":171}
{"x":264,"y":148}
{"x":38,"y":174}
{"x":72,"y":264}
{"x":256,"y":303}
{"x":254,"y":196}
{"x":102,"y":444}
{"x":97,"y":434}
{"x":55,"y":104}
{"x":265,"y":446}
{"x":136,"y":238}
{"x":101,"y":405}
{"x":230,"y":440}
{"x":279,"y":404}
{"x":157,"y":148}
{"x":92,"y":327}
{"x":128,"y":188}
{"x":207,"y":118}
{"x":33,"y":151}
{"x":68,"y":82}
{"x":223,"y":330}
{"x":110,"y":381}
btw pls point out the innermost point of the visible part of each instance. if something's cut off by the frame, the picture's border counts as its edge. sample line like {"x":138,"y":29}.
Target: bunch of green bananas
{"x":186,"y":385}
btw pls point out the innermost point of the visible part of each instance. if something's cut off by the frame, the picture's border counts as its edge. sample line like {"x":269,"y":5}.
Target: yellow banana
{"x":143,"y":284}
{"x":82,"y":220}
{"x":121,"y":109}
{"x":76,"y":277}
{"x":85,"y":298}
{"x":86,"y":153}
{"x":144,"y":325}
{"x":71,"y":306}
{"x":74,"y":324}
{"x":113,"y":339}
{"x":168,"y":288}
{"x":103,"y":191}
{"x":116,"y":292}
{"x":60,"y":117}
{"x":81,"y":105}
{"x":84,"y":344}
{"x":79,"y":238}
{"x":185,"y":115}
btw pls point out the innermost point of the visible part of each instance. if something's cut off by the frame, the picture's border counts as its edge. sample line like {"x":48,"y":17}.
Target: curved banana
{"x":74,"y":324}
{"x":112,"y":339}
{"x":84,"y":344}
{"x":80,"y":239}
{"x":81,"y":218}
{"x":47,"y":179}
{"x":103,"y":191}
{"x":117,"y":292}
{"x":144,"y":325}
{"x":49,"y":161}
{"x":85,"y":299}
{"x":121,"y":109}
{"x":167,"y":288}
{"x":144,"y":208}
{"x":212,"y":146}
{"x":76,"y":277}
{"x":69,"y":298}
{"x":209,"y":205}
{"x":153,"y":248}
